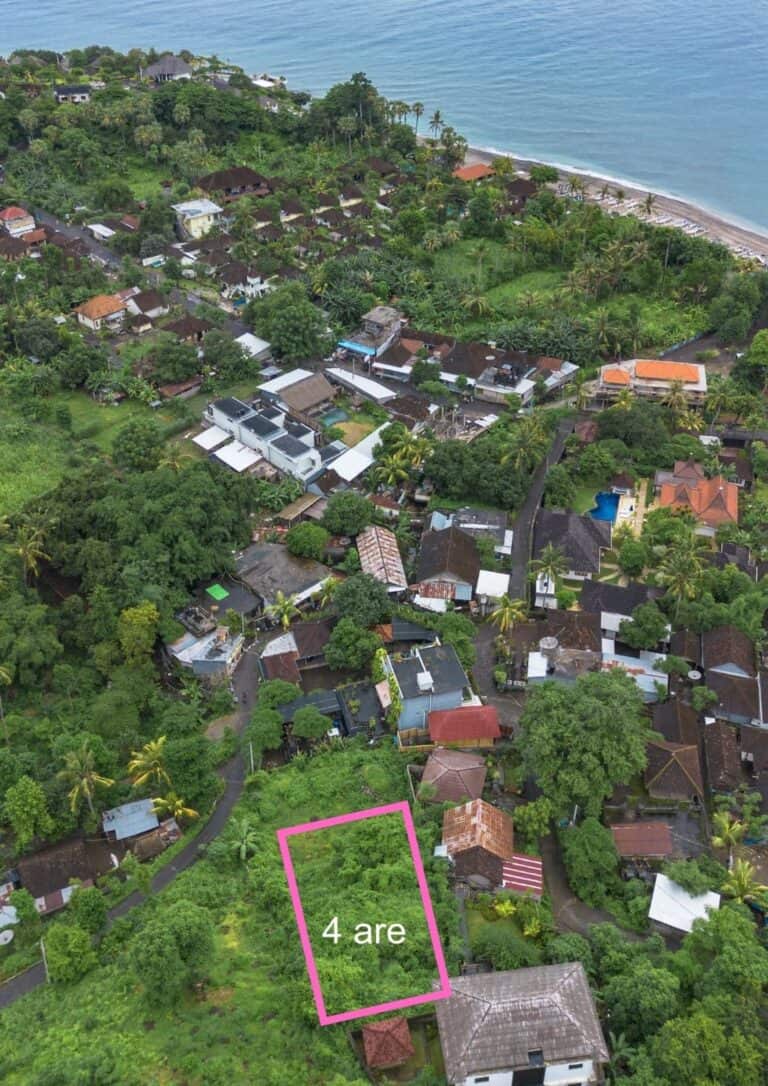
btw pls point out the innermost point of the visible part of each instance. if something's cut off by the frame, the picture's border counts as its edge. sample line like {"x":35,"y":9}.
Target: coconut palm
{"x":173,"y":806}
{"x":147,"y":764}
{"x":6,"y":678}
{"x":79,"y":772}
{"x":625,"y":399}
{"x":680,"y":572}
{"x":174,"y":459}
{"x":411,"y":449}
{"x":326,"y":592}
{"x":417,"y":109}
{"x":741,"y":883}
{"x":551,"y":563}
{"x":347,"y":126}
{"x":390,"y":471}
{"x":284,"y":609}
{"x":246,"y":839}
{"x":648,"y":203}
{"x":29,"y":546}
{"x":475,"y":303}
{"x":436,"y":123}
{"x":620,"y":195}
{"x":728,"y":832}
{"x":675,"y":398}
{"x":508,"y":613}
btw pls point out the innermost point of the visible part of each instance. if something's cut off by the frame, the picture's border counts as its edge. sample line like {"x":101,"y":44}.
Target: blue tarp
{"x":349,"y":345}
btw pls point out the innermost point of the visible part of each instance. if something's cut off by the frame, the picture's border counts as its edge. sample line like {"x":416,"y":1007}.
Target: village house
{"x":48,"y":874}
{"x":269,"y":568}
{"x":581,"y":540}
{"x":533,"y":1027}
{"x":447,"y":568}
{"x":721,"y":755}
{"x":380,"y":327}
{"x":426,"y":679}
{"x":475,"y":726}
{"x":197,"y":217}
{"x":233,"y":182}
{"x":614,"y":603}
{"x":559,"y":647}
{"x":643,"y":841}
{"x":167,"y":68}
{"x":16,"y":221}
{"x":713,"y":502}
{"x":652,"y":379}
{"x":75,"y":93}
{"x":673,"y":771}
{"x":103,"y":311}
{"x":728,"y":660}
{"x":215,"y":655}
{"x":452,"y":776}
{"x":479,"y":841}
{"x":148,"y":303}
{"x":380,"y":557}
{"x":480,"y":171}
{"x":673,"y":909}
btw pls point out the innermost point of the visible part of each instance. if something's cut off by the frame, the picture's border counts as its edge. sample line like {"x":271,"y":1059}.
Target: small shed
{"x":673,"y":907}
{"x":129,"y":820}
{"x":387,"y":1043}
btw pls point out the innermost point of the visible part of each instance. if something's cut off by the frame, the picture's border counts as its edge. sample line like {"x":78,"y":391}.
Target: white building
{"x":674,"y":907}
{"x":197,"y":217}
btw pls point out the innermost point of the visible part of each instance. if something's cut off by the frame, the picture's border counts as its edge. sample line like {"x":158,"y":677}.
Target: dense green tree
{"x":68,"y":952}
{"x":363,"y":599}
{"x":579,"y":742}
{"x":642,"y":1000}
{"x":310,"y":723}
{"x":172,"y":950}
{"x":26,"y":810}
{"x":307,"y":540}
{"x":265,"y":729}
{"x":591,"y":861}
{"x":189,"y":764}
{"x":347,"y":513}
{"x":137,"y":629}
{"x":88,"y":909}
{"x":293,"y":326}
{"x":276,"y":692}
{"x":138,"y":445}
{"x":646,"y":628}
{"x":350,"y":647}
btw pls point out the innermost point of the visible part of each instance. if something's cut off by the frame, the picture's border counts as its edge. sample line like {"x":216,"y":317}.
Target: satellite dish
{"x":6,"y":937}
{"x":694,"y":675}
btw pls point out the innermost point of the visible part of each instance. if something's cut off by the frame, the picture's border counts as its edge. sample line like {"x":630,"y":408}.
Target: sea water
{"x":672,"y":95}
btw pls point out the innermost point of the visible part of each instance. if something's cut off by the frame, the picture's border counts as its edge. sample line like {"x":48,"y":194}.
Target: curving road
{"x":232,"y":773}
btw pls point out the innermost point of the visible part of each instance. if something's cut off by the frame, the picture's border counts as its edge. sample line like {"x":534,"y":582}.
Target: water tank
{"x":548,"y":645}
{"x":694,"y":676}
{"x":425,"y":682}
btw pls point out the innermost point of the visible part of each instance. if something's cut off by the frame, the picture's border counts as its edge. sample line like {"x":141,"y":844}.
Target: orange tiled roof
{"x":712,"y":501}
{"x":14,"y":212}
{"x":615,"y":376}
{"x":101,"y":306}
{"x":474,"y":173}
{"x":666,"y":371}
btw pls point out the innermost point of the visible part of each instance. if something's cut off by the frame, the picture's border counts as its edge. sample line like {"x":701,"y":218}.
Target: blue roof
{"x":130,"y":819}
{"x":352,"y":346}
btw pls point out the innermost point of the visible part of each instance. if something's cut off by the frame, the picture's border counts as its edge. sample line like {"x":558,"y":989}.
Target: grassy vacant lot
{"x":33,"y":458}
{"x":254,"y":1019}
{"x":356,"y":428}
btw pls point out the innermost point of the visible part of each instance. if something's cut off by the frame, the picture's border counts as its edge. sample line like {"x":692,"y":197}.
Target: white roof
{"x":237,"y":456}
{"x":252,"y":344}
{"x":8,"y":915}
{"x":190,"y":209}
{"x":359,"y":458}
{"x":373,"y":389}
{"x":100,"y":230}
{"x":285,"y":380}
{"x":285,"y":643}
{"x":675,"y":907}
{"x":211,"y":438}
{"x":492,"y":584}
{"x":431,"y":603}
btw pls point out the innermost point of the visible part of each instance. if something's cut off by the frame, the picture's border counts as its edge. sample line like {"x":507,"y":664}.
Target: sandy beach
{"x":666,"y":211}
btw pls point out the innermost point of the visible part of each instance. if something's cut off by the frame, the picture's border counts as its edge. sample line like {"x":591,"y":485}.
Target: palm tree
{"x":475,"y":303}
{"x":728,"y":832}
{"x":390,"y":471}
{"x":680,"y":572}
{"x":436,"y":123}
{"x":246,"y":839}
{"x":284,"y":609}
{"x":675,"y":398}
{"x":79,"y":772}
{"x":625,"y":399}
{"x":29,"y":548}
{"x":508,"y":613}
{"x":742,"y":884}
{"x":326,"y":592}
{"x":551,"y":564}
{"x":347,"y":126}
{"x":6,"y":678}
{"x":620,"y":195}
{"x":417,"y":109}
{"x":147,"y":764}
{"x":621,"y":1053}
{"x":174,"y":459}
{"x":173,"y":807}
{"x":648,"y":203}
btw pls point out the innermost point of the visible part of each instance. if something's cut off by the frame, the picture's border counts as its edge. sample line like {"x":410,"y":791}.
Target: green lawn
{"x":541,"y":283}
{"x":33,"y":459}
{"x":584,"y":496}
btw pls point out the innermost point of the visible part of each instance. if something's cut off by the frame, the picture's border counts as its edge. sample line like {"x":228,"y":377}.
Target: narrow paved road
{"x":521,"y":544}
{"x":101,"y":252}
{"x":233,"y":774}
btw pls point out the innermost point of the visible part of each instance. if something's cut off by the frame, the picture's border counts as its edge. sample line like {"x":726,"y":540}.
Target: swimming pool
{"x":334,"y":416}
{"x":606,"y":506}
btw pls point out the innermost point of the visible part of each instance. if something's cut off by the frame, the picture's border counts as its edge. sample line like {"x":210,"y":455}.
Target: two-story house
{"x":428,"y":678}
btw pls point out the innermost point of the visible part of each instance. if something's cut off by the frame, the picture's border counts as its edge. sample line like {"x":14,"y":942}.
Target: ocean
{"x":670,"y":95}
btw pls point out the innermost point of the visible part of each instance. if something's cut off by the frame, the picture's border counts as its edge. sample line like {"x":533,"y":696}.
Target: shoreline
{"x":746,"y":242}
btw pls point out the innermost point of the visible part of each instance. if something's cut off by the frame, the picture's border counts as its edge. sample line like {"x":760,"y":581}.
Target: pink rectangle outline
{"x":380,"y":1008}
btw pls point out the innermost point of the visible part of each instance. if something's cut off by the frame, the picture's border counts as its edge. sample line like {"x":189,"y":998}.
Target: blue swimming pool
{"x":606,"y":506}
{"x":334,"y":416}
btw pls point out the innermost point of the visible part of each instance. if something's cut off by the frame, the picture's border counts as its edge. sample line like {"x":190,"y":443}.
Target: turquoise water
{"x":671,"y":95}
{"x":606,"y":506}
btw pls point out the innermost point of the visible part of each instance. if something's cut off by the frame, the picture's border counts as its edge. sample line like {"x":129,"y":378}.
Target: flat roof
{"x":191,"y":208}
{"x":130,"y":819}
{"x":360,"y":457}
{"x":211,"y":438}
{"x":237,"y":456}
{"x":373,"y":389}
{"x":492,"y":584}
{"x":285,"y":380}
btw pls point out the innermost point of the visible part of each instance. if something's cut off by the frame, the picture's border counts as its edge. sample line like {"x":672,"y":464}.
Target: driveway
{"x":569,"y":913}
{"x":100,"y":252}
{"x":508,"y":706}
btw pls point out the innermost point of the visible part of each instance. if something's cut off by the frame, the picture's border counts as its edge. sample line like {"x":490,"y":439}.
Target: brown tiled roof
{"x":387,"y":1043}
{"x":478,"y":825}
{"x":495,"y":1020}
{"x":686,"y":644}
{"x":722,"y":754}
{"x":187,"y":326}
{"x":312,"y":637}
{"x":727,"y":645}
{"x":308,"y":393}
{"x":673,"y":770}
{"x":380,"y":556}
{"x":52,"y":868}
{"x":712,"y":501}
{"x":737,"y":696}
{"x":652,"y":840}
{"x":102,"y":305}
{"x":146,"y":300}
{"x":455,"y":775}
{"x":580,"y":538}
{"x":448,"y":551}
{"x":282,"y":665}
{"x":478,"y":722}
{"x":676,"y":722}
